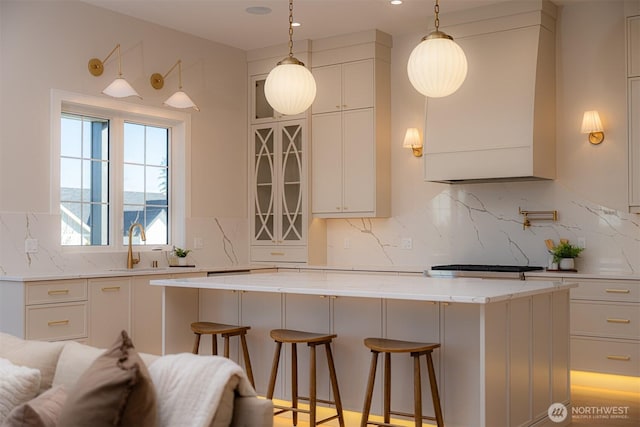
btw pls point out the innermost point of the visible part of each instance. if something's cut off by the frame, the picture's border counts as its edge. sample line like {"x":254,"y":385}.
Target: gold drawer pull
{"x":59,"y":292}
{"x":277,"y":253}
{"x":111,"y":289}
{"x":618,"y":320}
{"x":58,"y":322}
{"x":620,"y":358}
{"x":618,"y":291}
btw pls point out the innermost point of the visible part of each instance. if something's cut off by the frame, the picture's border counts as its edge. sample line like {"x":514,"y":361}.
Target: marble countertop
{"x":388,"y":270}
{"x":463,"y":290}
{"x":118,"y":272}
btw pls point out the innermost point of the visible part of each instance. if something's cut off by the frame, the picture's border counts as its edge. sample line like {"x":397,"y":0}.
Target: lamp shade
{"x":412,"y":138}
{"x":437,"y":67}
{"x":120,"y":88}
{"x":181,"y":100}
{"x":290,"y":87}
{"x":591,"y":122}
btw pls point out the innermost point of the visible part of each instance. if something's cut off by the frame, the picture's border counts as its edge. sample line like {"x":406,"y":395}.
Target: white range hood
{"x":500,"y":125}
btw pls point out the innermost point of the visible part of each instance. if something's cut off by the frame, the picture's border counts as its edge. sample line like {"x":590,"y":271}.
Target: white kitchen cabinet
{"x":54,"y":310}
{"x":261,"y":111}
{"x":344,"y":86}
{"x":263,"y":312}
{"x":279,"y":217}
{"x":350,"y":141}
{"x":605,"y":326}
{"x":634,"y":144}
{"x":109,"y":310}
{"x":633,"y":46}
{"x":146,"y":307}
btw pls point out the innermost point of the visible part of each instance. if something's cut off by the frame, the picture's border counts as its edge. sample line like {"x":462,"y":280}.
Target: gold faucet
{"x":130,"y":259}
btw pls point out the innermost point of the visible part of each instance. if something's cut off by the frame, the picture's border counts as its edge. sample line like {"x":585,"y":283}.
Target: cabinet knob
{"x":337,"y":106}
{"x":338,"y":208}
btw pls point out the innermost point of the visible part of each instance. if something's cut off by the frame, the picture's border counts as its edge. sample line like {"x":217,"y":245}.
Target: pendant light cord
{"x":436,"y":10}
{"x":290,"y":28}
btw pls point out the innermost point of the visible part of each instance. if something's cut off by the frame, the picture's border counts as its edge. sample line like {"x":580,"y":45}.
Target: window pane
{"x":133,"y":184}
{"x":70,"y":137}
{"x":134,"y":143}
{"x":157,"y":229}
{"x":84,"y":183}
{"x":156,"y":183}
{"x":157,"y":146}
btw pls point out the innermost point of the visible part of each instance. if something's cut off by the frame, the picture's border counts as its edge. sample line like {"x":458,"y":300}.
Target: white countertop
{"x":464,"y":290}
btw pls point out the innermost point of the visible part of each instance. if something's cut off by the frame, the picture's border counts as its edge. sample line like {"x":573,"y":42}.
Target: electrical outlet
{"x":198,"y":243}
{"x":346,"y":244}
{"x":30,"y":246}
{"x":582,"y":242}
{"x":406,"y":243}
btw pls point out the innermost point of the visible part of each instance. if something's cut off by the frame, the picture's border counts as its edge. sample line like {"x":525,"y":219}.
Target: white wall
{"x":46,"y":45}
{"x":479,"y":223}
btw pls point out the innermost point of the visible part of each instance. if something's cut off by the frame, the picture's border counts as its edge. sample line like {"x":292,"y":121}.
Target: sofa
{"x":183,"y":385}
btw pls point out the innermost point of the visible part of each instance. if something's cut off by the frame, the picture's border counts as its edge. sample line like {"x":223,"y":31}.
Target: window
{"x":116,"y":165}
{"x":84,"y":180}
{"x":146,"y":176}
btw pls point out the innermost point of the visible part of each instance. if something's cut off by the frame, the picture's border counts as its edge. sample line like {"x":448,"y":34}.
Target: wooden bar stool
{"x":312,"y":340}
{"x":213,"y":329}
{"x":417,"y":349}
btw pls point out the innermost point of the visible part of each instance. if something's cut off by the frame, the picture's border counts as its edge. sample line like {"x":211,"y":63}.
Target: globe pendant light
{"x":437,"y":67}
{"x":290,"y":88}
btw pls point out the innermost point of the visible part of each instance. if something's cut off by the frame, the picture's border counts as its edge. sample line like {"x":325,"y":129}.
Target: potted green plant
{"x":564,"y":254}
{"x":181,"y":254}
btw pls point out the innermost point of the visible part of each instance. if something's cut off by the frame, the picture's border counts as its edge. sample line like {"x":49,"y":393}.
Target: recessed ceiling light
{"x":395,"y":2}
{"x":258,"y":10}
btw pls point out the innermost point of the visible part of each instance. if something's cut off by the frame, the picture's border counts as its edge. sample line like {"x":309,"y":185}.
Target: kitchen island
{"x":505,"y":344}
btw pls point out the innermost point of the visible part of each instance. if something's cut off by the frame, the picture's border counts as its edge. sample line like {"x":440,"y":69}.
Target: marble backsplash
{"x":477,"y":223}
{"x":223,"y":240}
{"x":481,"y":224}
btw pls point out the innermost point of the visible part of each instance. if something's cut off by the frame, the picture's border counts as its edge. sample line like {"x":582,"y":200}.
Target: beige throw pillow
{"x":115,"y":391}
{"x":43,"y":411}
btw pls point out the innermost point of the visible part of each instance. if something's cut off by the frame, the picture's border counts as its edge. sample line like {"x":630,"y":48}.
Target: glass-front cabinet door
{"x":279,"y":202}
{"x":261,"y":111}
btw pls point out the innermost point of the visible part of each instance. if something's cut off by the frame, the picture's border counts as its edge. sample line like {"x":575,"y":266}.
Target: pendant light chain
{"x":436,"y":9}
{"x":290,"y":28}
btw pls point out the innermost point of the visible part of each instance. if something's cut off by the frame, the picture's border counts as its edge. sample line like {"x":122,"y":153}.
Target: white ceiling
{"x":227,"y":22}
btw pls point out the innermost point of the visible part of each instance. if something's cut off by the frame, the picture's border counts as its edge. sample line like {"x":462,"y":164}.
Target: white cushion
{"x":41,"y":355}
{"x":19,"y":384}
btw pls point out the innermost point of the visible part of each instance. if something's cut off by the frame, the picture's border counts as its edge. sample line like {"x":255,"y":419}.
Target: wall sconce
{"x":592,"y":125}
{"x":178,"y":99}
{"x":120,"y":88}
{"x":412,"y":140}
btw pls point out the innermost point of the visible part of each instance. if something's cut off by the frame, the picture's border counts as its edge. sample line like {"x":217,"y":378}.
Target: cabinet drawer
{"x":57,"y":322}
{"x":607,"y":290}
{"x":605,"y":356}
{"x":56,"y":291}
{"x":605,"y":319}
{"x":279,"y":253}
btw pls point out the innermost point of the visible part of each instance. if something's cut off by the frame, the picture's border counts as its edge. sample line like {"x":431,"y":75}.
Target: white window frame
{"x":179,"y":124}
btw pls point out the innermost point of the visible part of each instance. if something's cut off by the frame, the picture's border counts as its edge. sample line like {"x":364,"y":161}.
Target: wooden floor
{"x":583,"y":398}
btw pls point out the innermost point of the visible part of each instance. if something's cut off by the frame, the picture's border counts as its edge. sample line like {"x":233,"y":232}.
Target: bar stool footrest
{"x":409,"y":415}
{"x":327,"y":402}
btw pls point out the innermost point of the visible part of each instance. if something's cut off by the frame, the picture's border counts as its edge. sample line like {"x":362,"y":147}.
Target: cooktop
{"x":484,"y":267}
